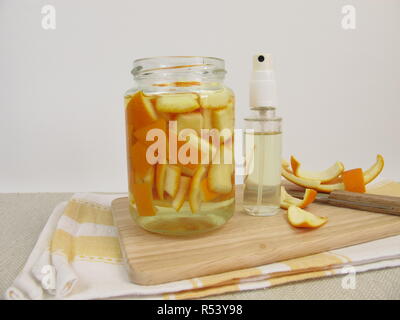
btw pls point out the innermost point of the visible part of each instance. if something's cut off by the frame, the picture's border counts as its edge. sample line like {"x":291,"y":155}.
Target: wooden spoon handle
{"x":365,"y":201}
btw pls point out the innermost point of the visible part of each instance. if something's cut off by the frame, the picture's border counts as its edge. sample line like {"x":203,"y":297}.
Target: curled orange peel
{"x":306,"y":183}
{"x":323,"y":176}
{"x":369,"y":175}
{"x":287,"y":200}
{"x":300,"y":218}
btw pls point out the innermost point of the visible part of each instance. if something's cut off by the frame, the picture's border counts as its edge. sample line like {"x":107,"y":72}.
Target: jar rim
{"x":145,"y":67}
{"x":180,"y":57}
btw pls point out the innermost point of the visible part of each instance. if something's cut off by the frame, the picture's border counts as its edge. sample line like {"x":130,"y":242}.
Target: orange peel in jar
{"x":195,"y":151}
{"x":162,"y":203}
{"x":161,"y":169}
{"x":195,"y":189}
{"x":177,"y":102}
{"x":215,"y":99}
{"x":287,"y":200}
{"x":140,"y":111}
{"x":222,"y":119}
{"x":219,"y":178}
{"x":206,"y":193}
{"x":143,"y":196}
{"x":300,"y":218}
{"x":188,"y":171}
{"x":220,"y":174}
{"x":141,"y":134}
{"x":190,"y":120}
{"x":172,"y":178}
{"x":227,"y":196}
{"x":207,"y":118}
{"x":184,"y":185}
{"x":323,"y":176}
{"x":139,"y":161}
{"x":149,"y":176}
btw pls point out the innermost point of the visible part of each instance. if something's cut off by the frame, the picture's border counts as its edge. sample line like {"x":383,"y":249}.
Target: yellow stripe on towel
{"x":315,"y":261}
{"x":200,"y":293}
{"x":299,"y":277}
{"x":83,"y":212}
{"x":228,"y":277}
{"x":86,"y":247}
{"x":210,"y":291}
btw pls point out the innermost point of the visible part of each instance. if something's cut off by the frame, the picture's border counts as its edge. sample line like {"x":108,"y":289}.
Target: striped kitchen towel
{"x":78,"y":256}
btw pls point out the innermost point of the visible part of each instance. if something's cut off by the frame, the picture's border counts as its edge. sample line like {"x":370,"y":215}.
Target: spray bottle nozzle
{"x":262,"y":62}
{"x":262,"y":83}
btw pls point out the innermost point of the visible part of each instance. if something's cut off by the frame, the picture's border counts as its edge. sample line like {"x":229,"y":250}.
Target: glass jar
{"x":179,"y":129}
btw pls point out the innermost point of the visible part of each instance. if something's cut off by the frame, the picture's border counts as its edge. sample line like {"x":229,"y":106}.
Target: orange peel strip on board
{"x":353,"y":180}
{"x":306,"y":183}
{"x":324,"y":176}
{"x":371,"y":173}
{"x":287,"y":200}
{"x":300,"y":218}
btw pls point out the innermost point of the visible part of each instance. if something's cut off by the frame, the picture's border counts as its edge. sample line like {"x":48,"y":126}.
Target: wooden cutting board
{"x":244,"y":242}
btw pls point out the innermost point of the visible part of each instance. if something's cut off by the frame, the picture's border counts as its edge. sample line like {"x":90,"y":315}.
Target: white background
{"x":61,"y":94}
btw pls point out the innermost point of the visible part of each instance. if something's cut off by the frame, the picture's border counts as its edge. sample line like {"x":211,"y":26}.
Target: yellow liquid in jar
{"x":212,"y":215}
{"x":165,"y":219}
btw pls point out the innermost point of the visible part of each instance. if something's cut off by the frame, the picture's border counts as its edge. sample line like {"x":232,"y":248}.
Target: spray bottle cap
{"x":262,"y":83}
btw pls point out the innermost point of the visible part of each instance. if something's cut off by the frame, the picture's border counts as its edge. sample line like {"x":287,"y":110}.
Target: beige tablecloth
{"x":24,"y":215}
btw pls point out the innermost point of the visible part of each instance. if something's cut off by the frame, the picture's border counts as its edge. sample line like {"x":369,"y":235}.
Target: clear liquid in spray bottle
{"x":263,"y":142}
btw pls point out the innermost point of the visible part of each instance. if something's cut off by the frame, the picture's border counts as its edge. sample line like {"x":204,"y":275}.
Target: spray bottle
{"x":263,"y":142}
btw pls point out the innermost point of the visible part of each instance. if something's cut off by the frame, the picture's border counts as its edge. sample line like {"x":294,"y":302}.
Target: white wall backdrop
{"x":61,"y":118}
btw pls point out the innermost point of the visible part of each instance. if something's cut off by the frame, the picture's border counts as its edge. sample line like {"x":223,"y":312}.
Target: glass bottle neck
{"x":264,"y":120}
